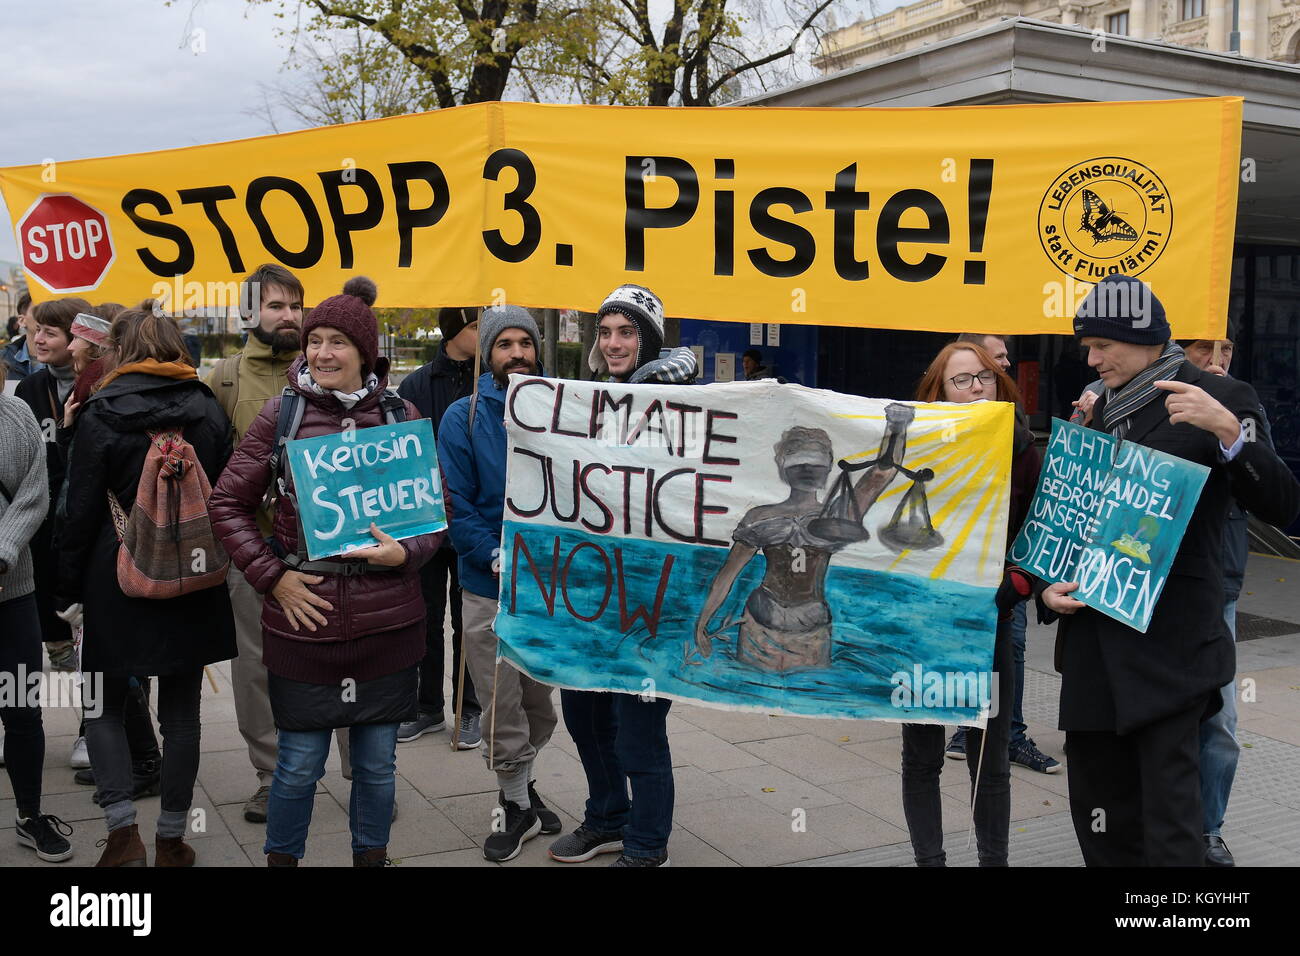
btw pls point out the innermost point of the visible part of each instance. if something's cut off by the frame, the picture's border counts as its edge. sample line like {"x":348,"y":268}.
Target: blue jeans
{"x":299,"y":765}
{"x":623,"y":739}
{"x":1219,"y":748}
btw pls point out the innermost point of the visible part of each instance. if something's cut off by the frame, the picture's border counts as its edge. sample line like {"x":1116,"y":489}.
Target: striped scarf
{"x":1122,"y":405}
{"x":346,"y":399}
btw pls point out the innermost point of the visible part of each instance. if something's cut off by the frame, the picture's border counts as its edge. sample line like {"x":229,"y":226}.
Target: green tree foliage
{"x":696,"y":53}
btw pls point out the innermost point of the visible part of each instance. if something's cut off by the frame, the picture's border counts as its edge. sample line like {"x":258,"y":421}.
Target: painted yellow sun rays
{"x":968,"y":447}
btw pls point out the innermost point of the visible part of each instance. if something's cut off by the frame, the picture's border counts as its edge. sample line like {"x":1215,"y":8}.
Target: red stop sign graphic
{"x":65,"y":244}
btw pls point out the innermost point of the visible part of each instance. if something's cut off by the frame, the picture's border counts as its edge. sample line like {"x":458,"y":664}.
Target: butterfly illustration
{"x":1102,"y":222}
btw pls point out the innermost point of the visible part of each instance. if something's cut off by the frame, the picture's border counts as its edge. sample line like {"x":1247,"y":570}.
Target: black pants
{"x":1136,"y":799}
{"x":990,"y":781}
{"x":20,"y":654}
{"x":140,"y":737}
{"x":434,"y":578}
{"x":178,"y":719}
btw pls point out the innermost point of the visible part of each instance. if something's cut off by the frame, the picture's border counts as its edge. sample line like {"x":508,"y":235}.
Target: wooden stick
{"x":211,"y":680}
{"x":460,"y":676}
{"x":1218,"y":353}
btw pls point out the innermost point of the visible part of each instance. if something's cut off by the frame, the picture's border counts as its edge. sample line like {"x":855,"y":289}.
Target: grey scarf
{"x":1123,"y":404}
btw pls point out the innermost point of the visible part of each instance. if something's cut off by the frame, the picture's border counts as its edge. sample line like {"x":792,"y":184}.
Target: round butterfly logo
{"x":1103,"y":216}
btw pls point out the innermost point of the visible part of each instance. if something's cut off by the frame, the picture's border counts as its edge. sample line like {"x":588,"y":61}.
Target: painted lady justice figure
{"x":786,"y":624}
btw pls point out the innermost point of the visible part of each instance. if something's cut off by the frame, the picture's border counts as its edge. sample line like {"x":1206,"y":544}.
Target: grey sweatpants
{"x":518,"y":715}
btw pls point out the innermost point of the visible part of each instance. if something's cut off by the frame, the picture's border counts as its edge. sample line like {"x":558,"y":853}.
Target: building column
{"x":1137,"y":19}
{"x":1219,"y":20}
{"x":1246,"y":27}
{"x":1069,"y":14}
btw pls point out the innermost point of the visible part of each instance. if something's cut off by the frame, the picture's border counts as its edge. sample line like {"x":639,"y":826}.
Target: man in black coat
{"x":1132,"y":703}
{"x":432,"y":389}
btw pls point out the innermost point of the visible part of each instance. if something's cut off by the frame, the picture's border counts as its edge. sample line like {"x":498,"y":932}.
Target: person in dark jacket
{"x":1132,"y":704}
{"x":18,"y":355}
{"x":622,"y":739}
{"x":152,"y":388}
{"x":46,"y":391}
{"x":92,"y":359}
{"x":1219,"y":747}
{"x":355,"y":623}
{"x":964,"y":372}
{"x":432,"y":389}
{"x":472,"y":455}
{"x":1024,"y":750}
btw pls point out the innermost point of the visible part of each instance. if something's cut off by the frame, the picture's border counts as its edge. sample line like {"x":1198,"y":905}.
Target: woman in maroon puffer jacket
{"x":342,"y":638}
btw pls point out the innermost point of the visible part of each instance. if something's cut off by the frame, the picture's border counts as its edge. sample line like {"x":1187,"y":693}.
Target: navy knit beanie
{"x":1123,"y":309}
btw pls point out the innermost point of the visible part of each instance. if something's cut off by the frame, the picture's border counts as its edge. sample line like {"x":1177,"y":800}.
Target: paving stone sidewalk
{"x":752,"y":790}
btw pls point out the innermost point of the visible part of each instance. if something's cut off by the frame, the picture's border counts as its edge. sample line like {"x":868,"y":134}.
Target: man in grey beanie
{"x":518,"y":715}
{"x":1132,"y":703}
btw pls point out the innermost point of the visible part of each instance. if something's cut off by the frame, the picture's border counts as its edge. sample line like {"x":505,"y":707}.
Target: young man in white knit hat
{"x":623,"y":738}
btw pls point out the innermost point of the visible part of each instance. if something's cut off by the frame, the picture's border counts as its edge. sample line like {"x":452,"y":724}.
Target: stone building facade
{"x":1266,"y":29}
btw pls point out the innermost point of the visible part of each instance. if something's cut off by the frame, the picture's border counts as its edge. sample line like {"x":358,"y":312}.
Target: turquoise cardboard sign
{"x":387,"y":474}
{"x":1110,"y":515}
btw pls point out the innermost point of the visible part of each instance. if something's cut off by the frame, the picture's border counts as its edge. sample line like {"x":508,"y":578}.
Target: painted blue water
{"x":883,"y":624}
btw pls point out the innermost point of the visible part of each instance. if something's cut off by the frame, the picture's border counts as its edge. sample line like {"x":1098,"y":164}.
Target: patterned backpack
{"x":168,"y":547}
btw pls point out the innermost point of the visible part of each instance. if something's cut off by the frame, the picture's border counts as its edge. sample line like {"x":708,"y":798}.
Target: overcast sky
{"x":89,"y":78}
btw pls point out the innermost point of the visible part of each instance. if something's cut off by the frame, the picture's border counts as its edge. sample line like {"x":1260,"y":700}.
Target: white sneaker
{"x":80,"y":759}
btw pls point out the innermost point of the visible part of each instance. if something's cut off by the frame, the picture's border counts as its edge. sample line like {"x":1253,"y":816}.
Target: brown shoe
{"x":123,"y":848}
{"x":172,"y":851}
{"x":375,"y":857}
{"x":281,"y":859}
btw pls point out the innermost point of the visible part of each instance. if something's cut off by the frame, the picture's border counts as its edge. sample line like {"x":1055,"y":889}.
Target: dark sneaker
{"x":63,"y":655}
{"x":626,"y":860}
{"x":957,"y":745}
{"x":1028,"y":755}
{"x":46,"y":835}
{"x":470,"y":735}
{"x":146,"y":779}
{"x":519,"y":827}
{"x":550,"y":822}
{"x":583,"y":844}
{"x":255,"y":808}
{"x":423,"y":724}
{"x":1216,"y":851}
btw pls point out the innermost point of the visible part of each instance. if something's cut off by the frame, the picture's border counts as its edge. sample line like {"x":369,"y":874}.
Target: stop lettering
{"x":65,"y":244}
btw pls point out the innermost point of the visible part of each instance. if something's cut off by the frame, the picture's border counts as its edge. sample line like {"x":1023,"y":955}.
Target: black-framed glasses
{"x":965,"y":380}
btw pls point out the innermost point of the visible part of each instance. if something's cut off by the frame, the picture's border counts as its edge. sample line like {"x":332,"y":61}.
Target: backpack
{"x":167,"y":547}
{"x":225,"y":381}
{"x":292,"y":407}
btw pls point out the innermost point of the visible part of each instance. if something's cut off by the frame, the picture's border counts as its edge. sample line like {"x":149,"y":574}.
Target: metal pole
{"x":1234,"y":38}
{"x":550,"y":337}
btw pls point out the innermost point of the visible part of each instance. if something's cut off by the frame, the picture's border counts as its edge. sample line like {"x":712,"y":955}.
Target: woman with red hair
{"x":961,"y":373}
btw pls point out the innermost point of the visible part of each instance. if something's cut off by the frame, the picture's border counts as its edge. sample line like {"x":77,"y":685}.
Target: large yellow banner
{"x":992,"y":218}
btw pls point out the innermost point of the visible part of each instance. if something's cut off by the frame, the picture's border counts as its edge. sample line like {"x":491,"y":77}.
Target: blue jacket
{"x":19,"y":359}
{"x":475,"y":476}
